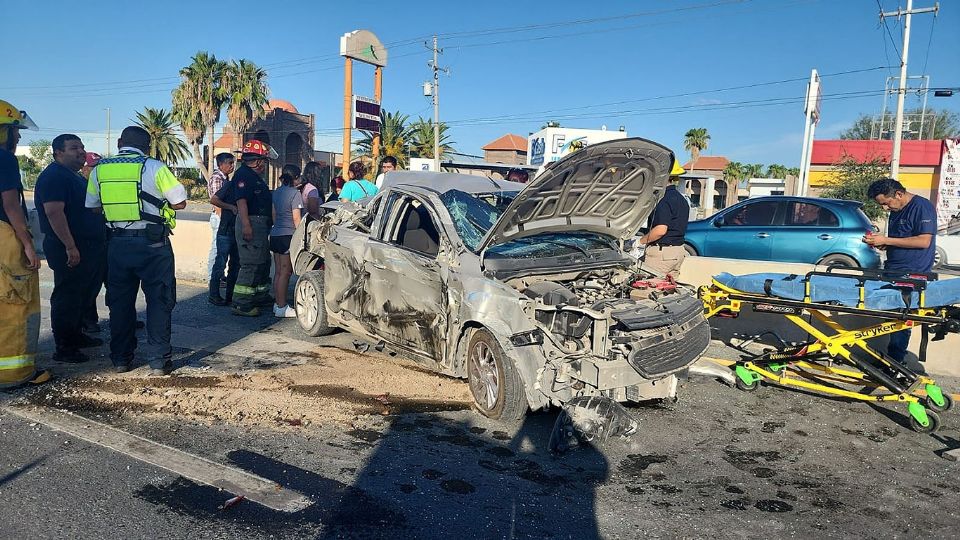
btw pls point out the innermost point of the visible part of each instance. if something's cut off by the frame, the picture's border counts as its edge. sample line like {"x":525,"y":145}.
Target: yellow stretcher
{"x":812,"y":365}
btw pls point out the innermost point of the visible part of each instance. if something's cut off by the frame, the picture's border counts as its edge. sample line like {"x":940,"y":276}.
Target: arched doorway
{"x":293,"y":150}
{"x":696,"y":189}
{"x":720,"y":195}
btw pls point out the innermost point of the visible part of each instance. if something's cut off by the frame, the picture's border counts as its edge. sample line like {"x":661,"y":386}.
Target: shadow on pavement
{"x":468,"y":481}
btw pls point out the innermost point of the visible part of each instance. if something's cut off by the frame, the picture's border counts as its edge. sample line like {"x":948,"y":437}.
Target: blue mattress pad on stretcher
{"x":878,"y":295}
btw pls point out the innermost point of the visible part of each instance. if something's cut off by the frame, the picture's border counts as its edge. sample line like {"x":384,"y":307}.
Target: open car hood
{"x":608,"y":188}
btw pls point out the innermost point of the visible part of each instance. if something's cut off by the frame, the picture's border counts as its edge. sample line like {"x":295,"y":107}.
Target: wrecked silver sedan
{"x":525,"y":290}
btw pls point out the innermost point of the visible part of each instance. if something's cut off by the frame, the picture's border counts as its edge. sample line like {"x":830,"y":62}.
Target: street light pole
{"x":902,"y":87}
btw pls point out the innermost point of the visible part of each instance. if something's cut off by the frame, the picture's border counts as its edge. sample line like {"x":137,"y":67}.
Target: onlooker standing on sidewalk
{"x":227,"y":252}
{"x":357,"y":187}
{"x":139,"y":196}
{"x":74,"y":244}
{"x":287,"y":207}
{"x":910,"y":242}
{"x":254,"y":209}
{"x":311,"y":189}
{"x":19,"y":264}
{"x":90,"y":320}
{"x":389,"y":164}
{"x":664,"y":241}
{"x":225,"y":164}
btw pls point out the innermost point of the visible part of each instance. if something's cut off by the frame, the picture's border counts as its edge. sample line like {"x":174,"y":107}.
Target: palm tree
{"x":776,"y":171}
{"x":164,"y":143}
{"x":754,"y":170}
{"x":198,"y":100}
{"x":245,"y":92}
{"x":395,"y":135}
{"x":733,"y":172}
{"x":422,"y":139}
{"x":695,"y":141}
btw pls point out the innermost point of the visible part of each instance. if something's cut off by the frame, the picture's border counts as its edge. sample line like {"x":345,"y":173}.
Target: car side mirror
{"x":718,"y":222}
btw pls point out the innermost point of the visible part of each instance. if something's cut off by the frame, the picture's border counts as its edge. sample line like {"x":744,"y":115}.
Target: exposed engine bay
{"x":617,"y":314}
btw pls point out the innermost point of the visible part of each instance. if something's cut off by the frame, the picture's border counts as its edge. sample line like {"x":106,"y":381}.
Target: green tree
{"x":245,"y":91}
{"x":852,"y":178}
{"x":734,"y":172}
{"x":930,"y":125}
{"x":30,"y":170}
{"x":754,"y":170}
{"x":422,"y":139}
{"x":776,"y":171}
{"x":164,"y":143}
{"x":198,"y":100}
{"x":695,"y":141}
{"x":395,"y":135}
{"x":794,"y":171}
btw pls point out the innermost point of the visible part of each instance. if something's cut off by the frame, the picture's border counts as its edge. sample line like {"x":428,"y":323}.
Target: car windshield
{"x":552,"y":245}
{"x":474,"y":213}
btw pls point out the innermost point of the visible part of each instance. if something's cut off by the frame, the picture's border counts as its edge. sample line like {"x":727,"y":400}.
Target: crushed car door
{"x":404,"y":289}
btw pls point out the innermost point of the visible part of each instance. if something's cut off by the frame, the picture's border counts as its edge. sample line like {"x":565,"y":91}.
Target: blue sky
{"x":513,"y":65}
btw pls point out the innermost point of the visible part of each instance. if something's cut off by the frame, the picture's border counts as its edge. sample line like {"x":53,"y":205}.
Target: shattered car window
{"x":474,"y":214}
{"x":551,"y":245}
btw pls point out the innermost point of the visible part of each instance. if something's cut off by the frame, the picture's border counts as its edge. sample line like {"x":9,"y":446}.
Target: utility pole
{"x":436,"y":105}
{"x":902,"y":88}
{"x":108,"y":131}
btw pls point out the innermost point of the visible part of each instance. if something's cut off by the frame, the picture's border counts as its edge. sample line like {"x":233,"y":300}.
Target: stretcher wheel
{"x":947,"y":404}
{"x":933,"y":427}
{"x":747,"y":387}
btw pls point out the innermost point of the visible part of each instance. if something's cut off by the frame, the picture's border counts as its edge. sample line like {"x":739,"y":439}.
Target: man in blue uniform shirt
{"x":910,"y":242}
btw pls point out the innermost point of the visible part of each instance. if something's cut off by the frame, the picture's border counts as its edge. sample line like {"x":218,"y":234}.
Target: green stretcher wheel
{"x":932,"y":405}
{"x":933,"y":423}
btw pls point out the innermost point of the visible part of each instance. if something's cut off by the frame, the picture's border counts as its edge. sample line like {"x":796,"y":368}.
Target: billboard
{"x":366,"y":114}
{"x":948,"y":196}
{"x":552,"y":143}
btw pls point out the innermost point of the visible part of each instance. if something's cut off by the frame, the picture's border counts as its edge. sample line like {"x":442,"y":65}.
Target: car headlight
{"x":531,"y":337}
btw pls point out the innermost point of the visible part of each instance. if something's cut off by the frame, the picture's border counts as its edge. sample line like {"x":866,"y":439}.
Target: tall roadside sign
{"x":812,"y":111}
{"x":364,"y":46}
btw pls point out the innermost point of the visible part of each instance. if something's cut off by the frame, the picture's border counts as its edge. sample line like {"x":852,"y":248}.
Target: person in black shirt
{"x":252,"y":230}
{"x":664,"y":242}
{"x":228,"y":255}
{"x":73,"y":244}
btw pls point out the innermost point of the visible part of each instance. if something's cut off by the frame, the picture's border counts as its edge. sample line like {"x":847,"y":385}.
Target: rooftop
{"x":707,"y":163}
{"x":508,"y":142}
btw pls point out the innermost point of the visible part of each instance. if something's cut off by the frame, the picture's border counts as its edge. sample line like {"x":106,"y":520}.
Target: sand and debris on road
{"x":328,"y":385}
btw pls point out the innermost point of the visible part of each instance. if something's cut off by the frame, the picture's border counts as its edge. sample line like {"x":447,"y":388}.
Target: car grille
{"x":657,"y":352}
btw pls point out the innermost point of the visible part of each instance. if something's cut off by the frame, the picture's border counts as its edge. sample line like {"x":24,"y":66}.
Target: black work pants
{"x":134,"y":262}
{"x":74,"y":289}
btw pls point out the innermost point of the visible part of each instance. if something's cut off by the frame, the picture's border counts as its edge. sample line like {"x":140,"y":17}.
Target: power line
{"x":890,"y":34}
{"x":416,"y":40}
{"x":926,"y":57}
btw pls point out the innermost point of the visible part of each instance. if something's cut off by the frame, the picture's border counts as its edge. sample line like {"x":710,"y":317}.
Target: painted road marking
{"x":198,"y":469}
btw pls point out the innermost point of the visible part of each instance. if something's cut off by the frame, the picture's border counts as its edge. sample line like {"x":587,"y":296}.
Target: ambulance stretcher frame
{"x":810,"y":365}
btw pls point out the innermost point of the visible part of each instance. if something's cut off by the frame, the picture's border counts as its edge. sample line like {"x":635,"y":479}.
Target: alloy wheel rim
{"x":307,"y":305}
{"x":484,"y":380}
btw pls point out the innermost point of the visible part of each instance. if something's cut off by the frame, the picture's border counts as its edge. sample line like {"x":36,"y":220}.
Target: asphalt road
{"x":719,"y":463}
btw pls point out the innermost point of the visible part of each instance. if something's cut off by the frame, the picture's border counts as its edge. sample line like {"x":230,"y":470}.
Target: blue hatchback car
{"x":787,"y":229}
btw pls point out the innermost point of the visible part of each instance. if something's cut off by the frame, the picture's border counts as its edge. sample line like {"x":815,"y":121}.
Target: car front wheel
{"x":308,"y":299}
{"x":494,"y":381}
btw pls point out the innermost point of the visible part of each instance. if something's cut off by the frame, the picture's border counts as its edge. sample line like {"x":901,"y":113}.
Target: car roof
{"x":814,"y":200}
{"x":444,"y":181}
